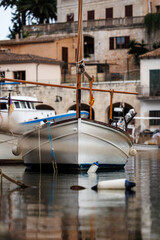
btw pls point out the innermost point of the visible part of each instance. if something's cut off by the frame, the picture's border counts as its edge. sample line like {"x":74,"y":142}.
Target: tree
{"x":18,"y":16}
{"x":156,"y":45}
{"x":16,"y":28}
{"x":137,"y":49}
{"x":41,"y":10}
{"x":152,"y":22}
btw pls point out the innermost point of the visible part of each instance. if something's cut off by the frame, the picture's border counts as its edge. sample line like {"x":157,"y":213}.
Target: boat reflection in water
{"x":52,"y":210}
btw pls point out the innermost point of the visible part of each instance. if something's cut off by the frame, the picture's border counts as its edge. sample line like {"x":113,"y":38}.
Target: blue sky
{"x":5,"y":23}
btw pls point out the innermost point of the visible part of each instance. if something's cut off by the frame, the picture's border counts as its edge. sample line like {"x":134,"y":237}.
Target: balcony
{"x":147,"y":93}
{"x":69,"y":75}
{"x":95,"y":25}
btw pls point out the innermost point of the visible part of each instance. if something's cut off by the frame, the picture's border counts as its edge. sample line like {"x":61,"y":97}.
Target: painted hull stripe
{"x":54,"y":117}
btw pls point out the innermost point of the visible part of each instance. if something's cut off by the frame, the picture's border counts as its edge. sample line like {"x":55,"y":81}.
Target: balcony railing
{"x":148,"y":93}
{"x":94,"y":25}
{"x":67,"y":77}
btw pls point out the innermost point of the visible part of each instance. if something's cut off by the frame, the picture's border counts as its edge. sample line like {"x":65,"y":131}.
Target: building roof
{"x":10,"y":58}
{"x":32,"y":40}
{"x":152,"y":54}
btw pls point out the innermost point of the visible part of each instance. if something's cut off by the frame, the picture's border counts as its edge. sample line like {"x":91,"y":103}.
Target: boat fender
{"x":93,"y":168}
{"x":16,"y":151}
{"x":114,"y":184}
{"x":1,"y":119}
{"x":132,"y":152}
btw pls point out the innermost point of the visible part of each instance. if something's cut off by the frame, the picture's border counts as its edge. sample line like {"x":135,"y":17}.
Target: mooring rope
{"x":40,"y":168}
{"x":39,"y":145}
{"x":21,"y":184}
{"x":52,"y":149}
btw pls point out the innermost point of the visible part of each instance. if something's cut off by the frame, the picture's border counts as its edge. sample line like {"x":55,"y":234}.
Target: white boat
{"x":77,"y":143}
{"x":8,"y":142}
{"x":24,"y":117}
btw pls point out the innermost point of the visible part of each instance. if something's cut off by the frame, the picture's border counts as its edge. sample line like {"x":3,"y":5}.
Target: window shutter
{"x":154,"y":82}
{"x":109,"y":13}
{"x":127,"y":39}
{"x":70,"y":17}
{"x":90,"y":15}
{"x":128,"y":11}
{"x":111,"y":43}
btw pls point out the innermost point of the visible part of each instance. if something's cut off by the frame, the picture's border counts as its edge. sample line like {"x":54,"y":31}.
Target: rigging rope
{"x":9,"y":140}
{"x":39,"y":144}
{"x":52,"y":148}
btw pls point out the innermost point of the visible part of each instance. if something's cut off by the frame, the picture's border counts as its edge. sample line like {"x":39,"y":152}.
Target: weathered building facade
{"x":29,"y":67}
{"x":108,"y":26}
{"x":150,"y":90}
{"x":102,"y":9}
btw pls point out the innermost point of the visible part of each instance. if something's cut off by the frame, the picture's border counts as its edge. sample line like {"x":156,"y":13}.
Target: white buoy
{"x":114,"y":184}
{"x":132,"y":152}
{"x":16,"y":151}
{"x":93,"y":168}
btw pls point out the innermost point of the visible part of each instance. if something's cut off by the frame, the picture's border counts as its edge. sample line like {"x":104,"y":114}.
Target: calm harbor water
{"x":51,"y":210}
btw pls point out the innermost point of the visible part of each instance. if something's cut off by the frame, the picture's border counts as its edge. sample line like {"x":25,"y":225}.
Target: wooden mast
{"x":79,"y":58}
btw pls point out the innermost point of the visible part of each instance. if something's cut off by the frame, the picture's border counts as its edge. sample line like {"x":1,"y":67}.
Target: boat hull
{"x":7,"y":143}
{"x":76,"y":144}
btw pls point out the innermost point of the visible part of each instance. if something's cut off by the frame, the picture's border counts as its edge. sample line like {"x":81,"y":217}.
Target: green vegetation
{"x":152,"y":22}
{"x":137,"y":49}
{"x":40,"y":11}
{"x":156,"y":45}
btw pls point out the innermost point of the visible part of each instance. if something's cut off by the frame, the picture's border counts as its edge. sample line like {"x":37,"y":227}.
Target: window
{"x":90,"y":15}
{"x":2,"y":74}
{"x":3,"y":106}
{"x":32,"y":105}
{"x":111,"y":43}
{"x":23,"y":104}
{"x":88,"y":46}
{"x":119,"y":42}
{"x":70,"y":17}
{"x":65,"y":57}
{"x":28,"y":105}
{"x":128,"y":11}
{"x":101,"y":68}
{"x":16,"y":104}
{"x":109,"y":13}
{"x":155,"y":82}
{"x":19,"y":75}
{"x":154,"y":114}
{"x":158,"y":9}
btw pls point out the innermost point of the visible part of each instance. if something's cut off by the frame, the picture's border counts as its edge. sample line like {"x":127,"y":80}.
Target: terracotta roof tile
{"x":32,"y":40}
{"x":152,"y":54}
{"x":9,"y":58}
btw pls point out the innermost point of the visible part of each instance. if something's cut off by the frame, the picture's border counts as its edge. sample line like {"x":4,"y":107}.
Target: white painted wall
{"x":148,"y":105}
{"x":35,"y":72}
{"x":145,"y":66}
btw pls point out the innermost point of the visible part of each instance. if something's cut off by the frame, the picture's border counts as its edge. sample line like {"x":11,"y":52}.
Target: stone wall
{"x":140,"y":8}
{"x":68,"y":96}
